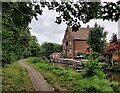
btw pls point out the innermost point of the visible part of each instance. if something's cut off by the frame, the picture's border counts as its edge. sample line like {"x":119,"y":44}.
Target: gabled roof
{"x":81,"y":34}
{"x":112,"y":47}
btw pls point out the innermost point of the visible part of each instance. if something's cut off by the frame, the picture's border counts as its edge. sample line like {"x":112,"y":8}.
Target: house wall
{"x":116,"y":58}
{"x":119,"y":60}
{"x":80,"y":45}
{"x":66,"y":49}
{"x":55,"y":56}
{"x":76,"y":46}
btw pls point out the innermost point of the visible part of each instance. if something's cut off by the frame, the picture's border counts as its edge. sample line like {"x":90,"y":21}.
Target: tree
{"x":17,"y":15}
{"x":14,"y":43}
{"x":97,"y":38}
{"x":35,"y":48}
{"x":70,"y":12}
{"x":48,"y":48}
{"x":17,"y":42}
{"x":93,"y":66}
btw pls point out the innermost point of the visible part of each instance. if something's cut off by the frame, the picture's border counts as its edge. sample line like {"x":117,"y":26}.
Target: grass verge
{"x":66,"y":79}
{"x":15,"y":78}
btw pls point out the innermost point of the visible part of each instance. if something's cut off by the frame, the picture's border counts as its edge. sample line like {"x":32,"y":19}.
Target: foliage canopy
{"x":17,"y":40}
{"x":70,"y":12}
{"x":97,"y":38}
{"x":47,"y":48}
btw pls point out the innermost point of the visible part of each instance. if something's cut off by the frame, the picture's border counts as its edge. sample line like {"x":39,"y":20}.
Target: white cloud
{"x":109,"y":0}
{"x":45,"y":29}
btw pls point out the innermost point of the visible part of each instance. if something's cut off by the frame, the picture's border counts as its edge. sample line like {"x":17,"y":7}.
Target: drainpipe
{"x":74,"y":49}
{"x":111,"y":57}
{"x":112,"y":61}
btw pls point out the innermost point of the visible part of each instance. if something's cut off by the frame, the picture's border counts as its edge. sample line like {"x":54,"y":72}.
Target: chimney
{"x":87,"y":26}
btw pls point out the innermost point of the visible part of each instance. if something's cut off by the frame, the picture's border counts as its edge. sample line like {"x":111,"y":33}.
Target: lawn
{"x":15,"y":78}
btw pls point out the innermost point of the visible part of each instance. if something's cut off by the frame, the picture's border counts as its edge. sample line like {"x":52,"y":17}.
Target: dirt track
{"x":37,"y":80}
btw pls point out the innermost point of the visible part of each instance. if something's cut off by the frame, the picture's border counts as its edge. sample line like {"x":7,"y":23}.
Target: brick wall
{"x":67,"y":38}
{"x":80,"y":46}
{"x":77,"y":45}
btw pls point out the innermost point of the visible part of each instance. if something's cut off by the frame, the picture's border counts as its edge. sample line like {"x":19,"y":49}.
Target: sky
{"x":45,"y":28}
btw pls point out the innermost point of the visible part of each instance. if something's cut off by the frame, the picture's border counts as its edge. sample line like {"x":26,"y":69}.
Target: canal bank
{"x":113,"y":76}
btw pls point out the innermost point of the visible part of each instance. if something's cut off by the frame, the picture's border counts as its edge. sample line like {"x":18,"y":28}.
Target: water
{"x":113,"y":76}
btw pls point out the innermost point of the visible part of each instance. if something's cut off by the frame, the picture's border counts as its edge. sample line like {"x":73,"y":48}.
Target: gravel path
{"x":36,"y":78}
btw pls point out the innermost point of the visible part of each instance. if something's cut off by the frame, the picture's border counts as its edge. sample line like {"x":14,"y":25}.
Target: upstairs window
{"x":67,"y":36}
{"x":66,"y":43}
{"x":70,"y":43}
{"x":64,"y":52}
{"x":70,"y":51}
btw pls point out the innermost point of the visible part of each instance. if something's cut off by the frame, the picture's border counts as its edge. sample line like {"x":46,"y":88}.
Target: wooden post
{"x":112,"y":62}
{"x":111,"y":57}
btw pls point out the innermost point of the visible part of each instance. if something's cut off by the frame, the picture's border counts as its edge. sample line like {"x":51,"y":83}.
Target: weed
{"x":70,"y":79}
{"x":15,"y":78}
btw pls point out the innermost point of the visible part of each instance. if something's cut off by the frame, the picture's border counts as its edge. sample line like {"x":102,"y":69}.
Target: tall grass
{"x":15,"y":78}
{"x":66,"y":79}
{"x":0,"y":79}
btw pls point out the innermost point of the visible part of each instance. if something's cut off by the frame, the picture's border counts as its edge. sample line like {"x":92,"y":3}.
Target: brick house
{"x":112,"y":51}
{"x":74,"y":42}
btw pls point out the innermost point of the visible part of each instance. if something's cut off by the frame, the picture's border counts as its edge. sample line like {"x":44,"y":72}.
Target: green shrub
{"x":92,"y":89}
{"x":74,"y":81}
{"x":94,"y":69}
{"x":115,"y":86}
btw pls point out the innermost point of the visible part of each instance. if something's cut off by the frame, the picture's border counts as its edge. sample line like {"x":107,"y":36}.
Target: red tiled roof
{"x":82,"y":33}
{"x":112,"y":47}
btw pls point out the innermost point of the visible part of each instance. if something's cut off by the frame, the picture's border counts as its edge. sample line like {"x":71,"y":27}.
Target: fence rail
{"x":69,"y":62}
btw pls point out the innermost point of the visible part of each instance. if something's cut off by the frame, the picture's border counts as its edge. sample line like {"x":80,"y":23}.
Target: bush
{"x":112,"y":68}
{"x":92,"y":89}
{"x":115,"y":86}
{"x":94,"y":69}
{"x":93,"y":81}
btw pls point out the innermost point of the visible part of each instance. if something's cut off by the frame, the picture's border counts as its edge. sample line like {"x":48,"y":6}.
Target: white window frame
{"x":64,"y":51}
{"x":64,"y":44}
{"x":70,"y":51}
{"x":70,"y":42}
{"x":67,"y":36}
